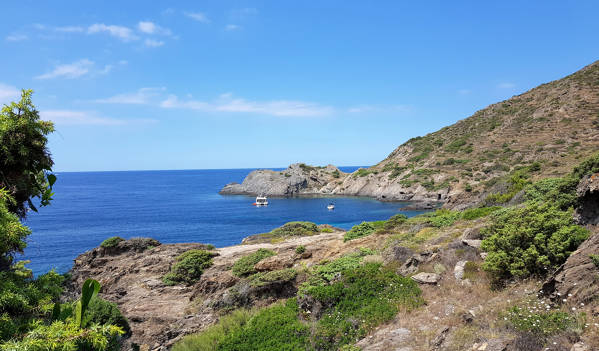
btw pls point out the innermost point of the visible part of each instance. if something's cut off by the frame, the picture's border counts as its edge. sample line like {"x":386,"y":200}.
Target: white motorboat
{"x":330,"y":207}
{"x":261,"y":201}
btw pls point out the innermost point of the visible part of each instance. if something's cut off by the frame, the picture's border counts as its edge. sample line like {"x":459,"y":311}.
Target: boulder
{"x":472,"y":243}
{"x":458,"y":270}
{"x":427,"y":278}
{"x":275,"y":263}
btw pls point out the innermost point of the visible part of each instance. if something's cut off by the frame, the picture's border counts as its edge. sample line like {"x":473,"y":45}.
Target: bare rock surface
{"x":578,"y":278}
{"x":427,"y":278}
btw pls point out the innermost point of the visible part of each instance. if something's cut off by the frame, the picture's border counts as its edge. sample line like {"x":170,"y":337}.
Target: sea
{"x":175,"y":206}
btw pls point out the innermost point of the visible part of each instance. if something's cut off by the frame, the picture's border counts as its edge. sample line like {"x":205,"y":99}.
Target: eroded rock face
{"x":588,"y":196}
{"x":579,"y":276}
{"x":427,"y":278}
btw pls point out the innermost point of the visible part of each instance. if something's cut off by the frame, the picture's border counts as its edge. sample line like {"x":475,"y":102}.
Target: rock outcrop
{"x":297,"y":179}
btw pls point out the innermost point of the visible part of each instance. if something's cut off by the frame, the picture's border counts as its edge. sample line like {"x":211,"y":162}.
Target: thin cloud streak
{"x":143,"y":96}
{"x":69,"y":71}
{"x":8,"y":93}
{"x":123,"y":33}
{"x":228,"y":103}
{"x":198,"y":16}
{"x":71,"y":117}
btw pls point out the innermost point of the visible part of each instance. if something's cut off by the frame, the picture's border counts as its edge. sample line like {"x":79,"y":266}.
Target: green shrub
{"x":211,"y":337}
{"x":474,"y":213}
{"x":395,"y":221}
{"x":358,"y":301}
{"x":279,"y":276}
{"x":329,"y":270}
{"x":111,"y":242}
{"x":245,"y":265}
{"x":359,"y":230}
{"x":326,"y":230}
{"x":595,"y":260}
{"x":559,"y":191}
{"x":362,"y":172}
{"x":441,"y":218}
{"x":587,"y":167}
{"x":67,"y":336}
{"x":188,"y":267}
{"x":300,"y":249}
{"x":517,"y":181}
{"x":274,"y":328}
{"x":103,"y":312}
{"x":296,"y":229}
{"x":530,"y":240}
{"x":12,"y":232}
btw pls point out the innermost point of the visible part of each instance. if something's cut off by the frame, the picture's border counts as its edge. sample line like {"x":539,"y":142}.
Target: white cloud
{"x":69,"y":71}
{"x":506,"y":85}
{"x":228,"y":103}
{"x":16,"y":37}
{"x":231,"y":27}
{"x":142,"y":97}
{"x":8,"y":93}
{"x":152,"y":28}
{"x":153,"y":43}
{"x":198,"y":16}
{"x":78,"y":69}
{"x":70,"y":117}
{"x":123,"y":33}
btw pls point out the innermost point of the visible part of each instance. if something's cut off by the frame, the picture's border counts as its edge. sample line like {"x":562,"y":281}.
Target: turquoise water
{"x":173,"y":207}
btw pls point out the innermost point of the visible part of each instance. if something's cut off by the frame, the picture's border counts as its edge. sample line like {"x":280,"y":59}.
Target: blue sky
{"x":243,"y":84}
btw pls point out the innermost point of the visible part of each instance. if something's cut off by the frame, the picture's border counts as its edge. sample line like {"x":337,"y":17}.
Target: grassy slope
{"x":556,"y":124}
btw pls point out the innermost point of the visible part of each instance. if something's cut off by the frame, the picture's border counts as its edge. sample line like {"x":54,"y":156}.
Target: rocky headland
{"x":549,"y":128}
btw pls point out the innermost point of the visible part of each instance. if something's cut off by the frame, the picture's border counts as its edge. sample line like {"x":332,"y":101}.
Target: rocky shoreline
{"x":300,"y":179}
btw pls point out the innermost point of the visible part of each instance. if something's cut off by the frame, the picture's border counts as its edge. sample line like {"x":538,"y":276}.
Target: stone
{"x":579,"y":346}
{"x":472,"y":243}
{"x":471,"y":234}
{"x":427,"y":278}
{"x":458,"y":270}
{"x":438,"y":341}
{"x":275,"y":263}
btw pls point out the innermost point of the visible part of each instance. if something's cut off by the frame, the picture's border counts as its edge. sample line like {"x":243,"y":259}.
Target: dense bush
{"x":358,"y":231}
{"x":370,"y":294}
{"x":295,"y":229}
{"x":274,"y":328}
{"x":595,"y":260}
{"x":441,"y":218}
{"x":245,"y":265}
{"x":103,"y":312}
{"x":587,"y":167}
{"x":474,"y":213}
{"x":530,"y":240}
{"x":111,"y":242}
{"x":25,"y":160}
{"x":12,"y":233}
{"x":211,"y":337}
{"x":278,"y":276}
{"x":189,"y":267}
{"x":559,"y":191}
{"x":394,"y":221}
{"x":300,"y":249}
{"x":67,"y":336}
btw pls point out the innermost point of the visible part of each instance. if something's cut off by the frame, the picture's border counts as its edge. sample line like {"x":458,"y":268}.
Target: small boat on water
{"x":331,"y":207}
{"x":261,"y":201}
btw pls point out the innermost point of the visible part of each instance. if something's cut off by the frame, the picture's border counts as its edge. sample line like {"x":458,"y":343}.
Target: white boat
{"x":330,"y":207}
{"x":261,"y":201}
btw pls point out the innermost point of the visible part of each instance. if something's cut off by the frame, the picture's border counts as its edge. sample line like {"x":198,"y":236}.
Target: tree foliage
{"x":25,"y":162}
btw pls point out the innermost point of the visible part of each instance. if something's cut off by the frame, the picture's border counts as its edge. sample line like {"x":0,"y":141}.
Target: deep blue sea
{"x":173,"y":207}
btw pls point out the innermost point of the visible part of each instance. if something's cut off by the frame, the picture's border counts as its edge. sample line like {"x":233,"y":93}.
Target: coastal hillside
{"x":487,"y":157}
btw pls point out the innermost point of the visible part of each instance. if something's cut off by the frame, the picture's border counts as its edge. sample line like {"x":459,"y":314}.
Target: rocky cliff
{"x":550,"y":127}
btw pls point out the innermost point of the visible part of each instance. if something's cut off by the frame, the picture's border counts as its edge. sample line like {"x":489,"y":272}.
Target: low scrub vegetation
{"x":279,"y":276}
{"x":355,"y":298}
{"x":111,"y":242}
{"x":362,"y":229}
{"x":188,"y":267}
{"x":529,"y":241}
{"x":538,"y":318}
{"x":245,"y":265}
